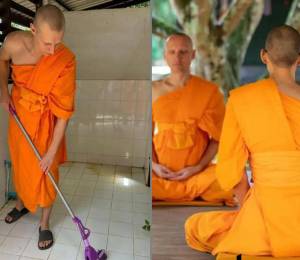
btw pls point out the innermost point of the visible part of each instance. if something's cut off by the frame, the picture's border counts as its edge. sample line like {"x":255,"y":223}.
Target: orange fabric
{"x":261,"y":125}
{"x":41,"y":93}
{"x":184,"y":121}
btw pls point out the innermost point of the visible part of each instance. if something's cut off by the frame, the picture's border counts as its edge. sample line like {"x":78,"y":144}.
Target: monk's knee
{"x":190,"y":228}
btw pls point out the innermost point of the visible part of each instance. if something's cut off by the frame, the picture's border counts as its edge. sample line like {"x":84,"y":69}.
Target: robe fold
{"x":261,"y":125}
{"x":184,"y":122}
{"x":41,"y":93}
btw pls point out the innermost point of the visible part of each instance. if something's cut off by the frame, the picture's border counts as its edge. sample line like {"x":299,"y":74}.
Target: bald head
{"x":180,"y":36}
{"x":50,"y":15}
{"x":283,"y":46}
{"x":179,"y":53}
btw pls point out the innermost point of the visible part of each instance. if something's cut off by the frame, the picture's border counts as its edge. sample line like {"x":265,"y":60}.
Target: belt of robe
{"x":38,"y":103}
{"x":278,"y":169}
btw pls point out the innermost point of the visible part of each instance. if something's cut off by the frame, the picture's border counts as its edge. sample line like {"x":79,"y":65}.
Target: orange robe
{"x":41,"y":93}
{"x":184,"y":122}
{"x":261,"y":125}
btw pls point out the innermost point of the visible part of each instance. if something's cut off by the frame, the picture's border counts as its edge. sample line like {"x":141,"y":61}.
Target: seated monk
{"x":43,"y":73}
{"x":187,"y":118}
{"x":262,"y":125}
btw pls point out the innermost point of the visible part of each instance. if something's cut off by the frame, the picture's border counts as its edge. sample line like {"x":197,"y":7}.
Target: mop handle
{"x":14,"y":114}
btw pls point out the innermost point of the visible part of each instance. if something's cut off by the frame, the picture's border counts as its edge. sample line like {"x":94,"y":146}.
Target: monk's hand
{"x":5,"y":100}
{"x":162,"y":171}
{"x":186,"y":173}
{"x":46,"y":162}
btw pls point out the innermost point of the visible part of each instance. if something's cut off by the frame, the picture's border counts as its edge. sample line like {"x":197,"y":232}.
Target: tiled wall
{"x":111,"y":122}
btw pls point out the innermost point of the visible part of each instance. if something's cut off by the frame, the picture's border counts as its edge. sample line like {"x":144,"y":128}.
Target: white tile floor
{"x":112,"y":201}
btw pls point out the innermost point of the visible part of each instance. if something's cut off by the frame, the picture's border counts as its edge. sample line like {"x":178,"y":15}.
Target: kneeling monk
{"x":262,"y":125}
{"x":187,"y":119}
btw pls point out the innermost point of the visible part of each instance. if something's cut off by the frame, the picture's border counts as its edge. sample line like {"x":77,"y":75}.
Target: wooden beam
{"x":116,"y":4}
{"x":21,"y":9}
{"x":4,"y":8}
{"x":38,"y":4}
{"x":20,"y":19}
{"x":33,"y":1}
{"x":6,"y":18}
{"x":60,"y":2}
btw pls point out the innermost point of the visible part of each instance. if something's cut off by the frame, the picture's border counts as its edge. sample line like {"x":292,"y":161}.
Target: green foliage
{"x":164,"y":21}
{"x":147,"y":226}
{"x":145,"y":4}
{"x":234,"y":50}
{"x":163,"y":11}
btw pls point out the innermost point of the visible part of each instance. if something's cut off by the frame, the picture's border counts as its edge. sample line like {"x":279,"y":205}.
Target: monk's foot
{"x":15,"y":214}
{"x":45,"y":237}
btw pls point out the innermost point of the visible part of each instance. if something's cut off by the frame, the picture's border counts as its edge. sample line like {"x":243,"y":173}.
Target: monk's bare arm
{"x":5,"y":57}
{"x":241,"y":189}
{"x":58,"y":135}
{"x":59,"y":131}
{"x":209,"y":154}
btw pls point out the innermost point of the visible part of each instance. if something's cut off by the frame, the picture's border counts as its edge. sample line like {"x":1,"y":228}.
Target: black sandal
{"x":16,"y":214}
{"x":45,"y":235}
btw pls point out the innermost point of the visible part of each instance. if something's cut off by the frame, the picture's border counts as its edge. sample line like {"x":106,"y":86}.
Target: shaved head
{"x":50,"y":15}
{"x":182,"y":36}
{"x":48,"y":29}
{"x":179,"y":53}
{"x":283,"y":46}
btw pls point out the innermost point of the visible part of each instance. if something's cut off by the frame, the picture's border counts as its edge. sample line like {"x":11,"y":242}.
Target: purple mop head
{"x":90,"y":253}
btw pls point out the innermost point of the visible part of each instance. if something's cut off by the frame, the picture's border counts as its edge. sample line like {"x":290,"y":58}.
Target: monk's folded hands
{"x":187,"y":172}
{"x":162,"y":171}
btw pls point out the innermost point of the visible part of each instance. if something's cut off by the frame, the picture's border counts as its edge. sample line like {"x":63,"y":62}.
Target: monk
{"x":187,"y":118}
{"x":261,"y":125}
{"x":43,"y":73}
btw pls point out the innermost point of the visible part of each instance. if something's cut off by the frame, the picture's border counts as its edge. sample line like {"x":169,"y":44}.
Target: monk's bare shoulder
{"x":15,"y":40}
{"x":13,"y":44}
{"x":157,"y":89}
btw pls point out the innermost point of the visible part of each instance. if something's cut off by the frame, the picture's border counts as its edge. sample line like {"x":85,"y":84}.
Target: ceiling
{"x":80,"y":5}
{"x":23,"y":11}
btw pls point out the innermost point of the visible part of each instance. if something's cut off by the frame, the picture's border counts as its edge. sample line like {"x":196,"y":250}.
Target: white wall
{"x":111,"y":43}
{"x":110,"y":123}
{"x":113,"y":87}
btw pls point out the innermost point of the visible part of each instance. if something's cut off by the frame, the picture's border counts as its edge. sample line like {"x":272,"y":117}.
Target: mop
{"x":8,"y":193}
{"x":90,"y":253}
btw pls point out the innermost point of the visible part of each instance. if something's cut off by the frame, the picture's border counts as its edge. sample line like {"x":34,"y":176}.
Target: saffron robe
{"x":184,"y":122}
{"x":41,"y":93}
{"x":262,"y":125}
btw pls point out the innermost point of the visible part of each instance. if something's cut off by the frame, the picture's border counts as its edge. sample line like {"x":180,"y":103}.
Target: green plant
{"x":147,"y":226}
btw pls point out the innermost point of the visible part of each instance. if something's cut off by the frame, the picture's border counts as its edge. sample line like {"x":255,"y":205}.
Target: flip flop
{"x":16,"y":214}
{"x":45,"y":235}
